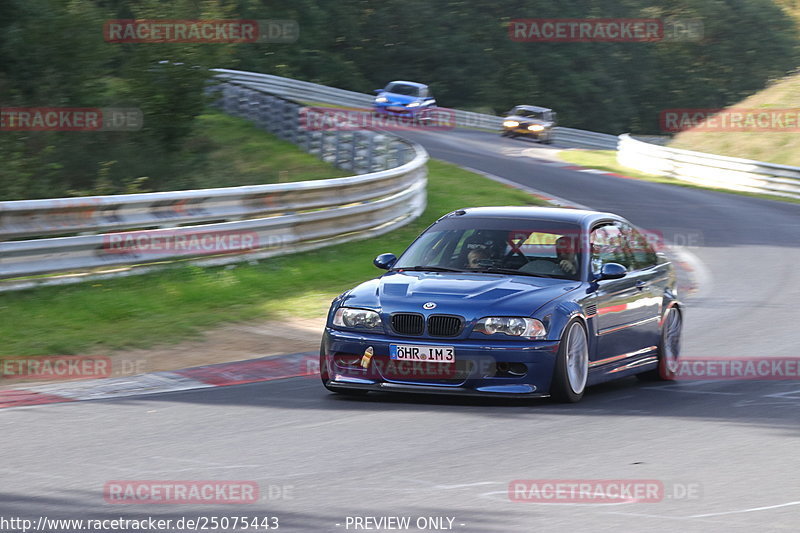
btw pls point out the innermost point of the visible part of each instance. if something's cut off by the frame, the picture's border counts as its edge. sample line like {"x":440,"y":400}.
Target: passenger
{"x":565,"y":252}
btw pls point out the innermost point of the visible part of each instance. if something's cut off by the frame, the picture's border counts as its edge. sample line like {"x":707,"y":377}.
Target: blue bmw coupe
{"x":508,"y":301}
{"x":404,"y":99}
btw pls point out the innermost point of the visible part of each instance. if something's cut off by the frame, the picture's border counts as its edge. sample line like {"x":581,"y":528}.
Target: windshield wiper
{"x":497,"y":270}
{"x":422,"y":268}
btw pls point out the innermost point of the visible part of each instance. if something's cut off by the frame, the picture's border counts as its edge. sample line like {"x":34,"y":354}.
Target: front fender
{"x":556,"y":316}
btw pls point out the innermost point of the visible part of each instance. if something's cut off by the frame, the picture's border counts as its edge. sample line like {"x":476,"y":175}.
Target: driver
{"x":565,"y":252}
{"x":476,"y":256}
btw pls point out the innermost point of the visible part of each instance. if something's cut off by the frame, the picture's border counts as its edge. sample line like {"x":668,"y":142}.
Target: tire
{"x":669,"y":347}
{"x":548,"y":139}
{"x":323,"y":374}
{"x":572,"y":364}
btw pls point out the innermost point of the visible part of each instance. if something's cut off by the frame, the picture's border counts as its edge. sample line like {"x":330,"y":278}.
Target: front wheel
{"x":669,"y":347}
{"x":572,"y":364}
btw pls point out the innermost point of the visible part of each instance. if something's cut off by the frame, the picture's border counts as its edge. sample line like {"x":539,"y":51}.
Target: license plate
{"x":429,"y":354}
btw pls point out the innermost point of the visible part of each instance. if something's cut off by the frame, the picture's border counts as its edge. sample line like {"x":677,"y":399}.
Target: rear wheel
{"x":669,"y":347}
{"x":572,"y":364}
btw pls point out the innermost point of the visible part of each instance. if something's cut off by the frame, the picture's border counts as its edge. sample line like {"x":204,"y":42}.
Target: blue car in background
{"x":512,"y":302}
{"x":404,"y":99}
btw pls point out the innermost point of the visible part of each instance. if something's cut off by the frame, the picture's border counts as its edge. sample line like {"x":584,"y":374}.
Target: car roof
{"x":580,"y":217}
{"x":533,"y":108}
{"x":414,"y":83}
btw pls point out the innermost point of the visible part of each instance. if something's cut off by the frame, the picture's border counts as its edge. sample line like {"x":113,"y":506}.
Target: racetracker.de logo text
{"x":181,"y":492}
{"x":200,"y":31}
{"x":605,"y":30}
{"x":70,"y":119}
{"x":730,"y":119}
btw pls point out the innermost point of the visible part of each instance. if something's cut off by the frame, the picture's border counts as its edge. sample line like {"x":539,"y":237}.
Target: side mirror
{"x":385,"y":261}
{"x":612,"y":271}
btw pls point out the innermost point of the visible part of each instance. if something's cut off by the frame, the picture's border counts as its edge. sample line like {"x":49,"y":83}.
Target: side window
{"x":434,"y":251}
{"x":642,"y":253}
{"x":609,"y":245}
{"x":462,"y":246}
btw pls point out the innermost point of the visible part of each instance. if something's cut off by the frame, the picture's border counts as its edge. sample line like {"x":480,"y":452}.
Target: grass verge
{"x":183,"y":302}
{"x":607,"y":160}
{"x":238,"y":153}
{"x":776,"y":143}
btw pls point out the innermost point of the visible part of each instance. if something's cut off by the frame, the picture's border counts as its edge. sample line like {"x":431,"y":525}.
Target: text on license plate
{"x":430,"y":354}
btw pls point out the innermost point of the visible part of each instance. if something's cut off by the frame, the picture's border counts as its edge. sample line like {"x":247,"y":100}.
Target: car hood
{"x":465,"y":294}
{"x":400,"y":98}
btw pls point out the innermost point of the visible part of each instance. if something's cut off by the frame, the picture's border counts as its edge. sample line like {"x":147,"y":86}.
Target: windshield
{"x":525,"y":247}
{"x":527,"y":113}
{"x":402,"y":88}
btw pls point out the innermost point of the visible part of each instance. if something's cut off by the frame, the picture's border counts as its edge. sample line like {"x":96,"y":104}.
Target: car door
{"x":652,"y":280}
{"x":622,"y":304}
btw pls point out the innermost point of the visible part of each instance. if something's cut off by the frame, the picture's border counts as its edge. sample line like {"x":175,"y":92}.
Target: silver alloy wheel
{"x":577,"y":358}
{"x":672,"y":339}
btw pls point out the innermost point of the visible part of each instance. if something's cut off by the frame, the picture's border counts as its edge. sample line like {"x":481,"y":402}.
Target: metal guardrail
{"x":709,"y":169}
{"x":304,"y":91}
{"x":279,"y":218}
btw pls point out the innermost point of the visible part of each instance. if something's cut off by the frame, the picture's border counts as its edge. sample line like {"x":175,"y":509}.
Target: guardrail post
{"x":283,"y":130}
{"x":292,"y":122}
{"x":354,"y":159}
{"x":337,"y":148}
{"x":287,"y":124}
{"x":396,"y":149}
{"x":270,"y":114}
{"x":370,"y":151}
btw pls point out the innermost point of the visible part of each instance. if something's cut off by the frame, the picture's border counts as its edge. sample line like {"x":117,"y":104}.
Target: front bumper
{"x":398,"y":110}
{"x":526,"y":131}
{"x":478,"y":369}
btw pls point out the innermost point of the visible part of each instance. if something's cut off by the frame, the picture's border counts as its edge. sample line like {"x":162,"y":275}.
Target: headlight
{"x":514,"y":326}
{"x":536,"y":127}
{"x":414,"y":104}
{"x":381,"y":100}
{"x":510,"y":123}
{"x":356,"y":318}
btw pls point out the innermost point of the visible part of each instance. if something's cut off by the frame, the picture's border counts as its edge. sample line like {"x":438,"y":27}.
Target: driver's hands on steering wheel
{"x":567,"y":266}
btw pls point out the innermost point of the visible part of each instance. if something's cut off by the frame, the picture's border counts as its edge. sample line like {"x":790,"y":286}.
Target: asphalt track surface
{"x":726,"y":452}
